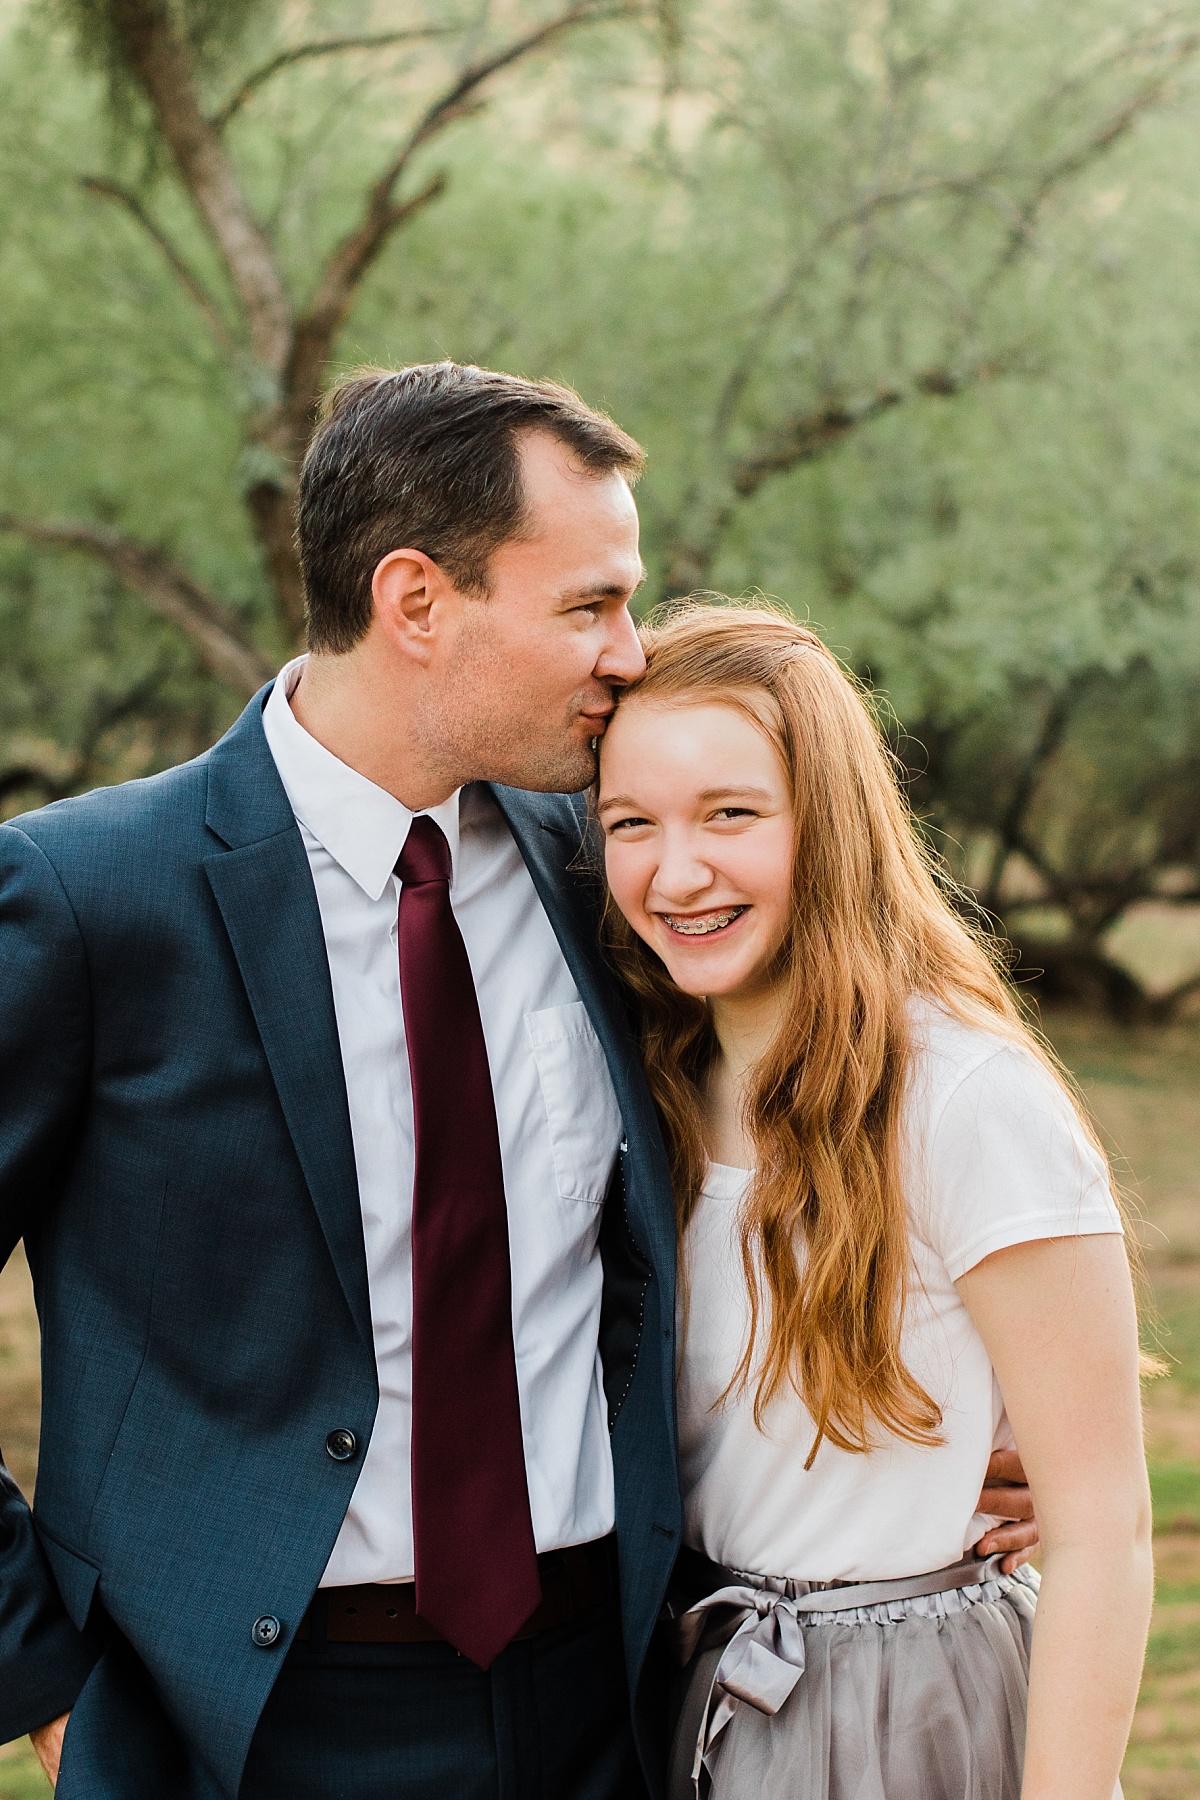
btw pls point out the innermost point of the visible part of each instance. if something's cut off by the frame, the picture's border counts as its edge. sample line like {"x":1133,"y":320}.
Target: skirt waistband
{"x":700,"y":1579}
{"x":750,"y":1630}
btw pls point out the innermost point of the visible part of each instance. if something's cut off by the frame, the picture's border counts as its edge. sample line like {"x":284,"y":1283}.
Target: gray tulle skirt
{"x":800,"y":1691}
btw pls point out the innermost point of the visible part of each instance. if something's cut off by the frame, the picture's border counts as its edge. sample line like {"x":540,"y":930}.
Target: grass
{"x":1176,"y":1491}
{"x":1144,"y":1089}
{"x":1175,"y":1332}
{"x":21,"y":1775}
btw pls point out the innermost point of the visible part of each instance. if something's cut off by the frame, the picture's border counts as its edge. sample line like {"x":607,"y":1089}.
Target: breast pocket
{"x":581,"y":1108}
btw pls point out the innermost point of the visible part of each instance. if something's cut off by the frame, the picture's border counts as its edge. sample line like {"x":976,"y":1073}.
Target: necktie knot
{"x":426,"y":854}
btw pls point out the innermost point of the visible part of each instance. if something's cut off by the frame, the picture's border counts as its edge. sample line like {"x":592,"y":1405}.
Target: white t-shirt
{"x":994,"y":1156}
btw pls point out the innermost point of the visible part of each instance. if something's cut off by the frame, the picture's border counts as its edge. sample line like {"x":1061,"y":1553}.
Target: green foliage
{"x":1175,"y":1489}
{"x":113,"y":408}
{"x":1173,"y":1652}
{"x":93,"y":691}
{"x":21,"y":1775}
{"x":213,"y":28}
{"x":1178,"y":1337}
{"x":949,"y":220}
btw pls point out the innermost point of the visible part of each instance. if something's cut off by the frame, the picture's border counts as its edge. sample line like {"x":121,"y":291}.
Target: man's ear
{"x":413,"y":600}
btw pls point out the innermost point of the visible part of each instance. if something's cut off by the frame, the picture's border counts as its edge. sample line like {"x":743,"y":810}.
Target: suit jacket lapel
{"x":263,"y":886}
{"x":549,"y":833}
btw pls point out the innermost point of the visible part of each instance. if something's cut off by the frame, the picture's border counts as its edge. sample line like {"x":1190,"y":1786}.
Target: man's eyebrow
{"x":602,"y":590}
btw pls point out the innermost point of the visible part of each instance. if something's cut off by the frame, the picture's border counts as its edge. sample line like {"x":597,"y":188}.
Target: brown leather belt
{"x":574,"y":1581}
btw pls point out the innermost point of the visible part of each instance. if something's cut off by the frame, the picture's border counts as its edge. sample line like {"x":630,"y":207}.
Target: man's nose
{"x":622,"y":659}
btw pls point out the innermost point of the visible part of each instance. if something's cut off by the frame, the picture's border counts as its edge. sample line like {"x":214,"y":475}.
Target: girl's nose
{"x":682,"y":875}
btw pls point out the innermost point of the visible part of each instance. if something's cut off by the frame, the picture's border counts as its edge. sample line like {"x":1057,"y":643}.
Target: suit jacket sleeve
{"x":45,"y":1040}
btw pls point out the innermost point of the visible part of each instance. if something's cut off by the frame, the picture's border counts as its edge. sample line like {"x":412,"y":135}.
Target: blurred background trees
{"x":900,"y":294}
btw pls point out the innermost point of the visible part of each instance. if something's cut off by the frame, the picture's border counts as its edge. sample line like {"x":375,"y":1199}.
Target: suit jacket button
{"x":341,"y":1444}
{"x":265,"y":1631}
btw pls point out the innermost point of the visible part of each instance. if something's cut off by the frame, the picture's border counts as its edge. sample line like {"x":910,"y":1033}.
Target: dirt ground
{"x":1144,"y":1089}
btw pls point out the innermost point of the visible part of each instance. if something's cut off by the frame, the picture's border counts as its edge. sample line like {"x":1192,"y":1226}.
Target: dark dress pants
{"x":548,"y":1721}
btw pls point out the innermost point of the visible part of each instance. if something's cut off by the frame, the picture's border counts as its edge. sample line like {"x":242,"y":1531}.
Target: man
{"x":348,"y":1217}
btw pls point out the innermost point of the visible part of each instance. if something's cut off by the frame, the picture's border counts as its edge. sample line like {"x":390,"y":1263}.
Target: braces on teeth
{"x":702,"y":927}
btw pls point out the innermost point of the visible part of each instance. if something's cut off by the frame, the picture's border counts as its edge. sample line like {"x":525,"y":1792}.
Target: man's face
{"x":530,"y":674}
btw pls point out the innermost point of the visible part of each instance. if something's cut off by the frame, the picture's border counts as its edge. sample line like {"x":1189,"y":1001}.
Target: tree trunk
{"x":271,"y":508}
{"x":1080,"y":975}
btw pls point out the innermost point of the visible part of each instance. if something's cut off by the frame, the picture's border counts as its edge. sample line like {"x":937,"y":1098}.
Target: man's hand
{"x":47,"y":1741}
{"x":1006,"y":1496}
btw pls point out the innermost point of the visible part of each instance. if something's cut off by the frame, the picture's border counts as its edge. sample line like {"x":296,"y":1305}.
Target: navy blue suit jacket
{"x":175,"y":1151}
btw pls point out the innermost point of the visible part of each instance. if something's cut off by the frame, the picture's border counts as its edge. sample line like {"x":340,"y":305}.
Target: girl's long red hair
{"x":825,"y":1237}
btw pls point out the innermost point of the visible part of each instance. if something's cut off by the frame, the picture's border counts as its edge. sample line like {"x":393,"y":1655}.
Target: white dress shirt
{"x":556,"y":1113}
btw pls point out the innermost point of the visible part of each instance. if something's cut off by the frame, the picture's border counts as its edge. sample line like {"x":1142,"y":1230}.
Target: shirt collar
{"x":362,"y":826}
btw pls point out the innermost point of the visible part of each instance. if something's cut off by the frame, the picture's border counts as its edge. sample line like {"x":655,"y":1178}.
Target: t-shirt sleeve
{"x":1007,"y":1162}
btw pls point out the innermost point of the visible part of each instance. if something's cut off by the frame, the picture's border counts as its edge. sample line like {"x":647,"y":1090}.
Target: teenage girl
{"x":898,"y":1249}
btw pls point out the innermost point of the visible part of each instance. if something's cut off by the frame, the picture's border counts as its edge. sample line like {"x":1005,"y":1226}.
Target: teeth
{"x":702,"y":927}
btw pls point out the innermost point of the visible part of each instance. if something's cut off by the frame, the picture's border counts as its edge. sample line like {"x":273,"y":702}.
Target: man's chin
{"x":569,"y":776}
{"x":566,"y":769}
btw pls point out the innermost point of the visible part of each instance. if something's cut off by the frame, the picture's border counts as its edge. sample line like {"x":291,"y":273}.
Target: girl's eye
{"x":625,"y":825}
{"x":735,"y":812}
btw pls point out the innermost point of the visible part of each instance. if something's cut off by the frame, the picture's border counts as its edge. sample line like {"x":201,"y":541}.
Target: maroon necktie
{"x":476,"y":1564}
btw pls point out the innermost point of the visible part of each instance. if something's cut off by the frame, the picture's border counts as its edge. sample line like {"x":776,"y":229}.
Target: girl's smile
{"x":703,"y":924}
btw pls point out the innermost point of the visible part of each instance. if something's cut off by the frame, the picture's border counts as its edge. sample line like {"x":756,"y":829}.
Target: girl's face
{"x":699,"y":841}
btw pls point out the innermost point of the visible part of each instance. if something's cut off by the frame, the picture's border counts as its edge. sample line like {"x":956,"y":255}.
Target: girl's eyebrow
{"x":707,"y":794}
{"x":726,"y":793}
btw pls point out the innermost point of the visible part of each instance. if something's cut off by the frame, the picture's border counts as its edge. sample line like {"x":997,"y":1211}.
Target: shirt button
{"x":341,"y":1444}
{"x":265,"y":1631}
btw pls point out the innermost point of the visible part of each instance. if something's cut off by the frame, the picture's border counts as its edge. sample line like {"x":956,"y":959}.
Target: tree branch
{"x":1166,"y":1006}
{"x":328,"y":47}
{"x":1092,"y":903}
{"x":113,"y":709}
{"x":805,"y":436}
{"x":800,"y":439}
{"x":1011,"y":828}
{"x":450,"y":105}
{"x":19,"y":777}
{"x":73,"y":771}
{"x":158,"y":58}
{"x":224,"y":647}
{"x":984,"y":184}
{"x":319,"y":324}
{"x":180,"y":268}
{"x":382,"y":214}
{"x":1076,"y":160}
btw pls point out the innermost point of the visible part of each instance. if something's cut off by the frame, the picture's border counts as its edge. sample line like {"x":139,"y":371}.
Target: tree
{"x":896,"y":293}
{"x":905,"y":176}
{"x":277,"y":336}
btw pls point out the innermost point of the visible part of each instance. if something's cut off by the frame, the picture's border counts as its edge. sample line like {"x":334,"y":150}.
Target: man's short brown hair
{"x":427,"y":458}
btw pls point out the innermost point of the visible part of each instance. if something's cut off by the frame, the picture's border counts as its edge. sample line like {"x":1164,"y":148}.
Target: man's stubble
{"x":486,"y":727}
